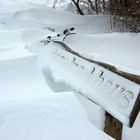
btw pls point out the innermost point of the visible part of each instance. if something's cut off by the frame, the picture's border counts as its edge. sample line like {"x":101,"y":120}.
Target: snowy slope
{"x":22,"y":115}
{"x":20,"y":77}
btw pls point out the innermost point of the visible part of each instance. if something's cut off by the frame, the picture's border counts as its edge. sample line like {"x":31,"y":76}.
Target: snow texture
{"x":33,"y":105}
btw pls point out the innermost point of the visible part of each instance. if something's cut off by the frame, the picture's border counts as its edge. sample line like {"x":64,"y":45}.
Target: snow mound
{"x":19,"y":75}
{"x":53,"y":118}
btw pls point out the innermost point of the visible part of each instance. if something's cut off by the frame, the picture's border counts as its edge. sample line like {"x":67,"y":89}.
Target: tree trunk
{"x":78,"y":6}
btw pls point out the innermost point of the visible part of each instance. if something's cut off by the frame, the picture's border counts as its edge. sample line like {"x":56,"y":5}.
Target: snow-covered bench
{"x":118,"y":95}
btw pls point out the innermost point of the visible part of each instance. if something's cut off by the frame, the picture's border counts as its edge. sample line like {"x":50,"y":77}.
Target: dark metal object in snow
{"x":67,"y":32}
{"x":64,"y":34}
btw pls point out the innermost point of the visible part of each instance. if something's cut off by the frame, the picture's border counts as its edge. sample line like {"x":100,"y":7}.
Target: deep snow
{"x":27,"y":109}
{"x":56,"y":117}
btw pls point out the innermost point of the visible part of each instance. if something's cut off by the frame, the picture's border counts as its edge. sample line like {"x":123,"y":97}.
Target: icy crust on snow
{"x":114,"y":93}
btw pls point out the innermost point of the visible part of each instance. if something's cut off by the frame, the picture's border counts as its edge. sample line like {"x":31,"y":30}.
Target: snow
{"x":96,"y":118}
{"x":20,"y":77}
{"x":132,"y":133}
{"x":54,"y":117}
{"x":108,"y":46}
{"x":36,"y":100}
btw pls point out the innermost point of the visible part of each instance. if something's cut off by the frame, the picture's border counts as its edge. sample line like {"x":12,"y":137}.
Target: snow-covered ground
{"x":32,"y":105}
{"x":55,"y":117}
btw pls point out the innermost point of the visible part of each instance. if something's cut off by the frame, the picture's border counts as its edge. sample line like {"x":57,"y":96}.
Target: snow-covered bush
{"x":89,"y":6}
